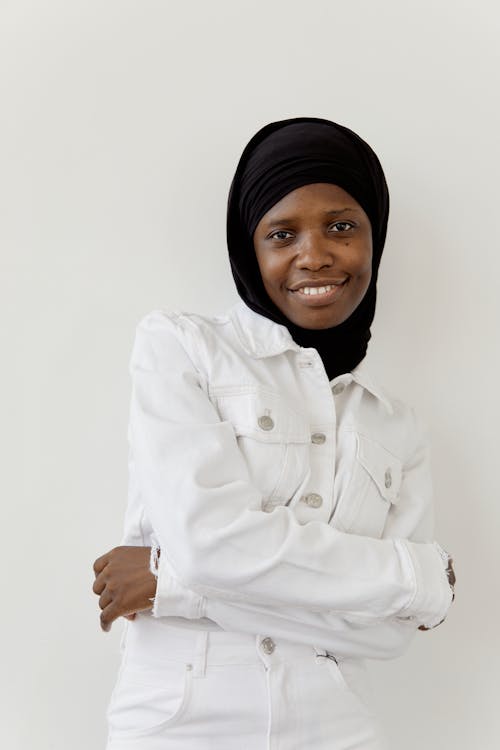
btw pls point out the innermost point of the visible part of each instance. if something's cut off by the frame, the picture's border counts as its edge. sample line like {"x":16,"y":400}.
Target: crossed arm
{"x":328,"y":563}
{"x":126,"y":585}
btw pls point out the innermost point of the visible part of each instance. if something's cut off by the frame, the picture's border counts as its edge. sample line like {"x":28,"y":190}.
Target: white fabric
{"x":199,"y":690}
{"x":225,"y":498}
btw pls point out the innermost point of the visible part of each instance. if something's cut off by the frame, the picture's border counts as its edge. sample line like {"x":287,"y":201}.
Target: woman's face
{"x":314,"y":250}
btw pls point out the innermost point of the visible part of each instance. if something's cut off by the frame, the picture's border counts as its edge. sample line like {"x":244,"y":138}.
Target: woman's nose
{"x":314,"y":252}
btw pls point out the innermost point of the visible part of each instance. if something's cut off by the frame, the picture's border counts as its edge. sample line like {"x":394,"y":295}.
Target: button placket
{"x":319,"y":393}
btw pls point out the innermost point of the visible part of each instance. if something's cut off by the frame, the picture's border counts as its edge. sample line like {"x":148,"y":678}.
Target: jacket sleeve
{"x":385,"y":639}
{"x":207,"y":517}
{"x":412,"y":518}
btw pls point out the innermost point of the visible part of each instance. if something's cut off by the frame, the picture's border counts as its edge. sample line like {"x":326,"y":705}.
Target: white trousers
{"x":214,"y":690}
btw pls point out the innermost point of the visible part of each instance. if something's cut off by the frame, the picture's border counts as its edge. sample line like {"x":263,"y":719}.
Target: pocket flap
{"x":384,"y":468}
{"x":263,"y":415}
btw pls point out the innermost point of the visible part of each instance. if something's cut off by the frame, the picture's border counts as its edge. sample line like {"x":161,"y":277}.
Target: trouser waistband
{"x":153,"y":641}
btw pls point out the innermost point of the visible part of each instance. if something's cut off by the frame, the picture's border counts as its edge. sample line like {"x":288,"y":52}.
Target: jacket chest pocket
{"x":273,"y":438}
{"x":373,"y":488}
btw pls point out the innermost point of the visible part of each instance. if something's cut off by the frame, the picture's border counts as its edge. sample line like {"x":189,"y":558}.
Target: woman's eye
{"x":342,"y":226}
{"x":280,"y":232}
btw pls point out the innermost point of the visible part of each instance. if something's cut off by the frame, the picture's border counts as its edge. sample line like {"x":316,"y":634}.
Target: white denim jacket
{"x":283,"y":504}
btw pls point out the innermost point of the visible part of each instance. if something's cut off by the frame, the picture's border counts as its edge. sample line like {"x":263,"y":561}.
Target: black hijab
{"x":281,"y":157}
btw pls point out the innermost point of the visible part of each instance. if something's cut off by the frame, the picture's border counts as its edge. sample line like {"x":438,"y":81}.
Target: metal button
{"x":313,"y":500}
{"x":318,"y":438}
{"x":268,"y":645}
{"x":270,"y":503}
{"x":338,"y":388}
{"x":265,"y":422}
{"x":388,"y":478}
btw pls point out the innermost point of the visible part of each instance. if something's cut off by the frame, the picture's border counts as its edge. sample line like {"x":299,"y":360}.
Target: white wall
{"x":120,"y":129}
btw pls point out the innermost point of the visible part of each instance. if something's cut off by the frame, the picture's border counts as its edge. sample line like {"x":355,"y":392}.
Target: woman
{"x":284,"y":495}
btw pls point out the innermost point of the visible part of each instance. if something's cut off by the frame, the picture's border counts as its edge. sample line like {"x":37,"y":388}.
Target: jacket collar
{"x":261,"y":337}
{"x":363,"y":377}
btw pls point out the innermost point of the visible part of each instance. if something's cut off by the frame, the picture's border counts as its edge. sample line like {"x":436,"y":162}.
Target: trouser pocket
{"x":147,"y":700}
{"x":351,"y":677}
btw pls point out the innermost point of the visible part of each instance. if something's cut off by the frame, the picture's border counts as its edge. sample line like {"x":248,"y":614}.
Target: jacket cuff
{"x":172,"y":599}
{"x":433,"y":592}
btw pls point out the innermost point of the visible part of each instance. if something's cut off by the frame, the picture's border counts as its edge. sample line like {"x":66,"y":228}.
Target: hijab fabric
{"x":281,"y":157}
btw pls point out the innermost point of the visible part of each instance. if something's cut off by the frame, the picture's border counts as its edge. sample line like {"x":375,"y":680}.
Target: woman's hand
{"x":124,"y":583}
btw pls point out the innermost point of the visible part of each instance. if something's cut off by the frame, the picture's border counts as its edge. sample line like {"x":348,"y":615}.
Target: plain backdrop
{"x":121,"y":125}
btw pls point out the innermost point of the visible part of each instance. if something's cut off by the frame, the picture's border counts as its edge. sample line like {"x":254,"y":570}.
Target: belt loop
{"x":200,"y":656}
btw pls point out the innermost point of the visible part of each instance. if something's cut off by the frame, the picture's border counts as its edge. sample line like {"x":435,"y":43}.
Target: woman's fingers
{"x":108,"y":616}
{"x":101,"y":562}
{"x":105,"y":599}
{"x":99,"y":584}
{"x":124,"y":583}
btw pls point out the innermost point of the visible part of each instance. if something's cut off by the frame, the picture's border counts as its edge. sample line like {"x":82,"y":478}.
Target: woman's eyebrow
{"x":333,"y":212}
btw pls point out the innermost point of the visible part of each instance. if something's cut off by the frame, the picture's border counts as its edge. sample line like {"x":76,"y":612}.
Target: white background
{"x":121,"y":125}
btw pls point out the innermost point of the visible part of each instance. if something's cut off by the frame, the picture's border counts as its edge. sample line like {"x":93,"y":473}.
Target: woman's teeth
{"x":317,"y":289}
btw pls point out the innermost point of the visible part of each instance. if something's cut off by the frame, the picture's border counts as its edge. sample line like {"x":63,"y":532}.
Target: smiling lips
{"x":318,"y":295}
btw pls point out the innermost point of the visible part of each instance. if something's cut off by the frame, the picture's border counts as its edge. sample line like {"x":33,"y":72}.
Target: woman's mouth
{"x":318,"y":295}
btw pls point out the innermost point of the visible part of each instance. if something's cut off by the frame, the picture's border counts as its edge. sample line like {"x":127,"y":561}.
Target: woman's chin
{"x":315,"y":317}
